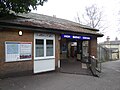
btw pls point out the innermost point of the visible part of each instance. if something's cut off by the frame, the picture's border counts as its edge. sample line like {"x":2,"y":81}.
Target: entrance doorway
{"x":72,"y":49}
{"x":73,"y":56}
{"x":76,"y":49}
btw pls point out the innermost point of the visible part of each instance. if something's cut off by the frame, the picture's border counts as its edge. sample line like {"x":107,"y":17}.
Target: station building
{"x":34,"y":43}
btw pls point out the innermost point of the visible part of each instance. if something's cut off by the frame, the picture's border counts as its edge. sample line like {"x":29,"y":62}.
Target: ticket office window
{"x":44,"y":48}
{"x":49,"y":48}
{"x":39,"y":48}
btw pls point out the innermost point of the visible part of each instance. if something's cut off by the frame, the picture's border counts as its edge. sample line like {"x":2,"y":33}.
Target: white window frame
{"x":44,"y":38}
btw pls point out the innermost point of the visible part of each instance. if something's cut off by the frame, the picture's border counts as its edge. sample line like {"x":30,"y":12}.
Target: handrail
{"x":94,"y":66}
{"x":97,"y":62}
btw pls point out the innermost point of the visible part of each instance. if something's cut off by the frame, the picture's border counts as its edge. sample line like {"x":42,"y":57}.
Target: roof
{"x":116,"y":42}
{"x":48,"y":22}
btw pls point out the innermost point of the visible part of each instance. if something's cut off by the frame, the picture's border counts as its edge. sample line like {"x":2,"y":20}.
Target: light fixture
{"x":20,"y":33}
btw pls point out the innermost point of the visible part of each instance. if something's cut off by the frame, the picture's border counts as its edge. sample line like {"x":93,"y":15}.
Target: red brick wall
{"x":7,"y":68}
{"x":12,"y":67}
{"x":93,"y":46}
{"x":57,"y":50}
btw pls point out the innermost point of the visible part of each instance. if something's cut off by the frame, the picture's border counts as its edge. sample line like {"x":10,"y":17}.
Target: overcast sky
{"x":68,"y":9}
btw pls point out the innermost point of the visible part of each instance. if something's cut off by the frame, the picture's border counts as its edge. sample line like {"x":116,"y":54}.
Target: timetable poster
{"x":18,"y":51}
{"x":12,"y":51}
{"x":25,"y":50}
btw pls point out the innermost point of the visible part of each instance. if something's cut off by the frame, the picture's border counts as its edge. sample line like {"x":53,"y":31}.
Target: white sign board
{"x":25,"y":50}
{"x":18,"y":51}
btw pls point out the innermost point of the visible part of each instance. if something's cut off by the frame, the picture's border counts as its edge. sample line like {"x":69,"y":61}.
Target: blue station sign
{"x":75,"y":37}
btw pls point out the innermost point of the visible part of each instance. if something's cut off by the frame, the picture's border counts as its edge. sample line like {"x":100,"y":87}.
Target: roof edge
{"x":12,"y":25}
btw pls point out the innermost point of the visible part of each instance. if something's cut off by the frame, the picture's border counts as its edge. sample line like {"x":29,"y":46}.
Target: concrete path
{"x":109,"y":80}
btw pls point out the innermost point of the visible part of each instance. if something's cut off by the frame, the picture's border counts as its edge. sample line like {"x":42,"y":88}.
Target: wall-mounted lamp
{"x":20,"y":33}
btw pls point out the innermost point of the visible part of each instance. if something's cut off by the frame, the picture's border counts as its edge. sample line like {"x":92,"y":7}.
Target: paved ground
{"x":109,"y":80}
{"x":71,"y":66}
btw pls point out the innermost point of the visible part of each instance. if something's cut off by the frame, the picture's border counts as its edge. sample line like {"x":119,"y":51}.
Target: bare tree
{"x":92,"y":17}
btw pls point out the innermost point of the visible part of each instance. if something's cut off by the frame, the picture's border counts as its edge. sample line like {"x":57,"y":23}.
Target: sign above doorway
{"x":75,"y":37}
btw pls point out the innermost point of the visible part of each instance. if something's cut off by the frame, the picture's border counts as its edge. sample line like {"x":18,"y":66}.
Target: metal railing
{"x":94,"y":66}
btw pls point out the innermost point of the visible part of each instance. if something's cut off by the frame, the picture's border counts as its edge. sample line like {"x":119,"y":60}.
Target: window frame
{"x":44,"y":39}
{"x":52,"y":45}
{"x":39,"y":44}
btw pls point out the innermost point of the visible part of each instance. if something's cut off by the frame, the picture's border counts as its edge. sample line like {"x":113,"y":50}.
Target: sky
{"x":68,"y":9}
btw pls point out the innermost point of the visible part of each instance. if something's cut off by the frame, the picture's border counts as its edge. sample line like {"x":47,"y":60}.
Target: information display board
{"x":18,"y":51}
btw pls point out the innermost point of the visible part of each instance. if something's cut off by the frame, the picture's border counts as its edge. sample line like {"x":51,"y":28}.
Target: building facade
{"x":113,"y":48}
{"x":33,"y":43}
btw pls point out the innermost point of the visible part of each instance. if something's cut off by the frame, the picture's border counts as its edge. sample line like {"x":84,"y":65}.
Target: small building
{"x":34,"y":43}
{"x":113,"y":48}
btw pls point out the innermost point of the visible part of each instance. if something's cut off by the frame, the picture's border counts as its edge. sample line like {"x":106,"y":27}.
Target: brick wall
{"x":11,"y":67}
{"x":93,"y":46}
{"x":57,"y":50}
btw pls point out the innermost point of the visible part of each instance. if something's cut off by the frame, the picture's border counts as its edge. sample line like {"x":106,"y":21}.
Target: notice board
{"x":18,"y":51}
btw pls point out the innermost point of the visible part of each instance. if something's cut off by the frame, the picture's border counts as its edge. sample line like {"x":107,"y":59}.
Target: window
{"x":49,"y":47}
{"x":39,"y":48}
{"x":44,"y":47}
